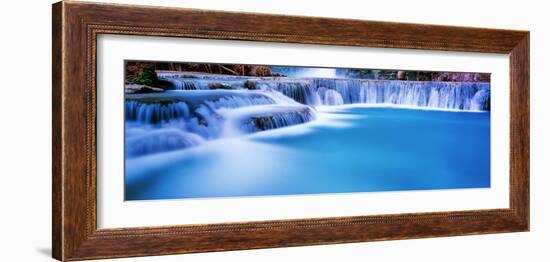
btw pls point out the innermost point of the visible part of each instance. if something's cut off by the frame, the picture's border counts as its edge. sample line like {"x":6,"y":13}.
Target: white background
{"x":26,"y":148}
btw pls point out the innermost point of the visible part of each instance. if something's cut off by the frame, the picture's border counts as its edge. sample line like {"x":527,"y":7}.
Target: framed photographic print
{"x":181,"y":130}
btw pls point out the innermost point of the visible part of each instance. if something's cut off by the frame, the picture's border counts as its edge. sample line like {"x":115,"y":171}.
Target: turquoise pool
{"x":345,"y":149}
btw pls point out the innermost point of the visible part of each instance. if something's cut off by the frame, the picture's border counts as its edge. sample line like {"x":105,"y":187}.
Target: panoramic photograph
{"x":206,"y":130}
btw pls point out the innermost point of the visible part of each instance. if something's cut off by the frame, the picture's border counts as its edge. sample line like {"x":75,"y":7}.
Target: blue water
{"x":347,"y":149}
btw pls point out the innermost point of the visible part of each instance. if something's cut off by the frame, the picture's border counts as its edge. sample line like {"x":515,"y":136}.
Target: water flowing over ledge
{"x":336,"y":91}
{"x":172,"y":120}
{"x":203,"y":107}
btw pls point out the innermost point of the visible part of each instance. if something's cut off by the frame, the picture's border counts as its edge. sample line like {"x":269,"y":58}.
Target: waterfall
{"x":330,"y":97}
{"x":202,"y":82}
{"x":155,"y":113}
{"x":194,"y":111}
{"x":445,"y":95}
{"x":348,"y":89}
{"x":302,"y":91}
{"x":266,"y":117}
{"x":174,"y":120}
{"x":205,"y":107}
{"x":159,"y":140}
{"x":236,"y":101}
{"x":186,"y":83}
{"x":278,"y":120}
{"x":481,"y":100}
{"x":312,"y":91}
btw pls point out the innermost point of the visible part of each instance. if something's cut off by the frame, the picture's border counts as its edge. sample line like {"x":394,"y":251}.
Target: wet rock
{"x":401,"y":75}
{"x":140,"y":89}
{"x":250,"y":85}
{"x":219,"y":86}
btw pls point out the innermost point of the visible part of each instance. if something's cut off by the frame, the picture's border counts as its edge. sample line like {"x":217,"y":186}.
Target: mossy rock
{"x":146,"y":77}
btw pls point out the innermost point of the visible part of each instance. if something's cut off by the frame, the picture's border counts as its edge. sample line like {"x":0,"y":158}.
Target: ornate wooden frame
{"x":76,"y":26}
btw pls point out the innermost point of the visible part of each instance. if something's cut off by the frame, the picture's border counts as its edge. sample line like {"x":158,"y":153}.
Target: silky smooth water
{"x":349,"y":148}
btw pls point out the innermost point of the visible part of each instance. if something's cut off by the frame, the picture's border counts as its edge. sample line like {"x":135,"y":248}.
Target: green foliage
{"x":147,"y":77}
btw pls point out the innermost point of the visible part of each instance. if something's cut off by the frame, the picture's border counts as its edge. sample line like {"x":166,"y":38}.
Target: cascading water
{"x":330,"y":97}
{"x":444,"y":95}
{"x":160,"y":140}
{"x":266,"y":117}
{"x":278,"y":120}
{"x":179,"y":119}
{"x":302,"y":91}
{"x":306,"y":141}
{"x":481,"y":100}
{"x":155,"y":113}
{"x":200,"y":82}
{"x":206,"y":107}
{"x":312,"y":91}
